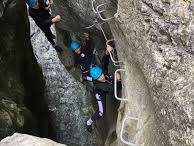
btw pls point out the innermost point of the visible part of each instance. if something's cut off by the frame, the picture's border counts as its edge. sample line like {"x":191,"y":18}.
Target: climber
{"x":83,"y":54}
{"x":103,"y":84}
{"x":40,"y":13}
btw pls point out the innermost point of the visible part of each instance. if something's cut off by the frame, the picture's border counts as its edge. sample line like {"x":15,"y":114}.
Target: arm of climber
{"x":105,"y":62}
{"x":106,"y":59}
{"x":48,"y":22}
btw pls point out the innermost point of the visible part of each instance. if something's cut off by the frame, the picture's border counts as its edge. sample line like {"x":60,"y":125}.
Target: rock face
{"x":76,"y":16}
{"x":154,"y":40}
{"x":157,"y":38}
{"x":27,"y":140}
{"x":21,"y":81}
{"x":69,"y":104}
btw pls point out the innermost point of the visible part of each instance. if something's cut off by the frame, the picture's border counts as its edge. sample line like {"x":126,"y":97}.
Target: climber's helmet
{"x":75,"y":46}
{"x":96,"y":73}
{"x":32,"y":3}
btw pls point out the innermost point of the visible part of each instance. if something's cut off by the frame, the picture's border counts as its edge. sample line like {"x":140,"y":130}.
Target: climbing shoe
{"x":89,"y":128}
{"x":58,"y":49}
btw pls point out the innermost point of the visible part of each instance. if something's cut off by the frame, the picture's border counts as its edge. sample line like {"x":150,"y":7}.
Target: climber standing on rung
{"x":40,"y":13}
{"x":83,"y":55}
{"x":103,"y":84}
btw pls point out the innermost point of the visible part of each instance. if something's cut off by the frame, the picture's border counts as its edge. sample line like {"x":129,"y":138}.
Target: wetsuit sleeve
{"x":105,"y":63}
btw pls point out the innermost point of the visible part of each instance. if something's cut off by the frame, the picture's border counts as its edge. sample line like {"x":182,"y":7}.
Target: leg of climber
{"x":99,"y":113}
{"x":48,"y":34}
{"x":43,"y":19}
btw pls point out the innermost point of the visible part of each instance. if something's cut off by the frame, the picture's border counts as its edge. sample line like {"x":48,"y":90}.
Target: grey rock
{"x":156,"y":36}
{"x":68,"y":101}
{"x":18,"y":139}
{"x":18,"y":69}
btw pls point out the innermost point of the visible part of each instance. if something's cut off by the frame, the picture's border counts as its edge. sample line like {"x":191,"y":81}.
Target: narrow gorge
{"x":41,"y":93}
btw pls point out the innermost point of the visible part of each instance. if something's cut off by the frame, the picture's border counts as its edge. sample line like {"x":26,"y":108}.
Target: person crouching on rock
{"x":83,"y":55}
{"x":40,"y":13}
{"x":103,"y":84}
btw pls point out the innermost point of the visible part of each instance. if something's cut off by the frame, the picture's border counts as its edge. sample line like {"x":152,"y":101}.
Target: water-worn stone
{"x":27,"y":140}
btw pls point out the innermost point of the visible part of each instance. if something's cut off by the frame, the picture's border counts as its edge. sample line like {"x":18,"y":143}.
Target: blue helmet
{"x":32,"y":3}
{"x":95,"y":72}
{"x":74,"y":45}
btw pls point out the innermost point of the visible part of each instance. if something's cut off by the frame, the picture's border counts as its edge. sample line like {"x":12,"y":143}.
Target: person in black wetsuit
{"x":40,"y":13}
{"x":83,"y":55}
{"x":103,"y":84}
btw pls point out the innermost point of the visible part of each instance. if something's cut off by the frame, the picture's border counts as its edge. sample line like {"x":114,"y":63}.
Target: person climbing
{"x":40,"y":13}
{"x":103,"y":84}
{"x":83,"y":54}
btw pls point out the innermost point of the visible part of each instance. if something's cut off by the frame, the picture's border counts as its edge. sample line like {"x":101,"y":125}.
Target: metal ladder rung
{"x":115,"y":85}
{"x":88,"y":27}
{"x":100,"y":11}
{"x":116,"y":63}
{"x":121,"y":133}
{"x":93,"y":8}
{"x":100,"y":25}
